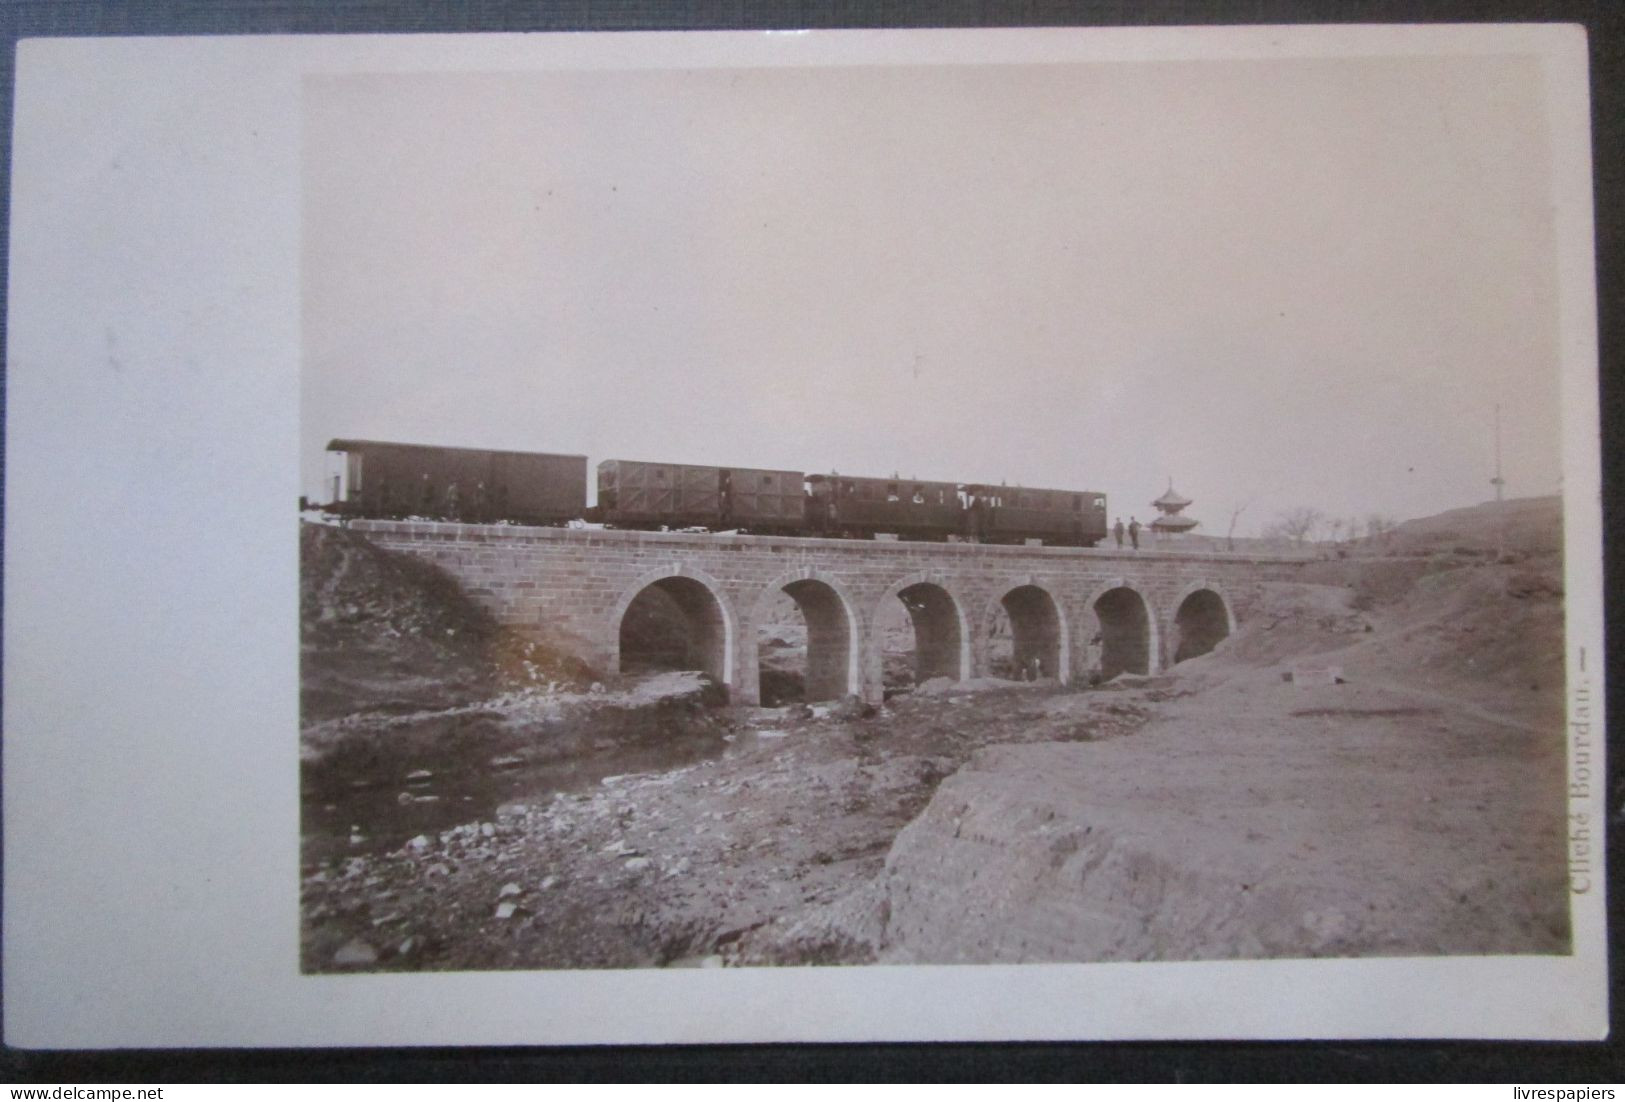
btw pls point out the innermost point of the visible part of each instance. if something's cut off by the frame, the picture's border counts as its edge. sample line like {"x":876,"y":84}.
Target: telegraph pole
{"x":1500,"y":485}
{"x":1498,"y":482}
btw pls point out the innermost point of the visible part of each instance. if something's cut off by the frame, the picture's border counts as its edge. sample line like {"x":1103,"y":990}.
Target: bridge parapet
{"x":1069,"y":611}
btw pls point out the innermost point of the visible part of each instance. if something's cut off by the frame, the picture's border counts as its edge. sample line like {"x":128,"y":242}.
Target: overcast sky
{"x":1283,"y":283}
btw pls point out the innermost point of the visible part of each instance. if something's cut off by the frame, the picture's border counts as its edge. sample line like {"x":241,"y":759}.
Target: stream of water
{"x":382,"y":817}
{"x":377,"y":818}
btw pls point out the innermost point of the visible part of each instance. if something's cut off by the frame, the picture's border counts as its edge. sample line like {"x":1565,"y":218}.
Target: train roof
{"x":362,"y":445}
{"x":698,"y":466}
{"x":883,"y":478}
{"x":974,"y":486}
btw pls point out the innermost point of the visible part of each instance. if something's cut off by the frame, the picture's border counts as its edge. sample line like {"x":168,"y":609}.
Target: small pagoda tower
{"x":1171,"y":524}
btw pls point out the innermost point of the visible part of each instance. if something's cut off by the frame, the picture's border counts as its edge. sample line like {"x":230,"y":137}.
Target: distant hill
{"x":1523,"y":526}
{"x":1526,"y":525}
{"x":1433,"y":606}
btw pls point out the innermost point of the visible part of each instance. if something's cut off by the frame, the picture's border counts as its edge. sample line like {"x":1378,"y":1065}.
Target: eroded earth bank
{"x":472,"y":801}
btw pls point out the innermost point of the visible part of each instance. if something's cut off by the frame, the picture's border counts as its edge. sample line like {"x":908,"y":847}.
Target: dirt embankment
{"x":1254,"y":819}
{"x":383,"y":632}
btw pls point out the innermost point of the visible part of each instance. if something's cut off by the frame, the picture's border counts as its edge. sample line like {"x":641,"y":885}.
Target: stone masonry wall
{"x":572,"y":586}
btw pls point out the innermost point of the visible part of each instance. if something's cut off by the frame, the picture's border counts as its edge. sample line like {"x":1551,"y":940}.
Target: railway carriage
{"x":1013,"y":514}
{"x":472,"y":484}
{"x":847,"y":506}
{"x":633,"y":494}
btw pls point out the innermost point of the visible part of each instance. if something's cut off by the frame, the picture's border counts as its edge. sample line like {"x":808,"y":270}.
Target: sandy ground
{"x":1252,"y":819}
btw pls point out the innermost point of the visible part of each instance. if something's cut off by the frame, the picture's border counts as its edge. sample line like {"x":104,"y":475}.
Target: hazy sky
{"x":1282,"y":283}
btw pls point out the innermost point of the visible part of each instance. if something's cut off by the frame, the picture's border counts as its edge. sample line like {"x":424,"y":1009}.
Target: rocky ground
{"x":1219,"y":811}
{"x":761,"y":854}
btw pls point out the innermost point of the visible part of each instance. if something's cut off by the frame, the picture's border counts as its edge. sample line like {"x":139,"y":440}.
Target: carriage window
{"x":1077,"y":505}
{"x":767,"y":480}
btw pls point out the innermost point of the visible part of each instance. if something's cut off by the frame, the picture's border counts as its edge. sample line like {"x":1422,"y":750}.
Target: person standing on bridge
{"x":1117,"y":530}
{"x":1134,"y":532}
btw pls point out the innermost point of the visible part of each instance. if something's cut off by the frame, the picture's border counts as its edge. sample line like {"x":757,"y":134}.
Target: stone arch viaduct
{"x":1062,"y":612}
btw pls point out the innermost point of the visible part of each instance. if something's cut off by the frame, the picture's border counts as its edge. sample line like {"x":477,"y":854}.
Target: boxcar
{"x":634,"y":494}
{"x":469,"y":484}
{"x":1011,"y":514}
{"x":841,"y":505}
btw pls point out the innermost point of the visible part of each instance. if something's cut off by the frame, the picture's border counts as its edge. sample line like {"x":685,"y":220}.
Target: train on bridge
{"x":397,"y":481}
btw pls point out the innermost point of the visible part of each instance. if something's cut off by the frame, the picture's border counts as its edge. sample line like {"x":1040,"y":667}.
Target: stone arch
{"x":693,"y":600}
{"x":1203,"y":616}
{"x":834,"y":631}
{"x":942,"y":636}
{"x":1038,"y":626}
{"x":1127,"y":638}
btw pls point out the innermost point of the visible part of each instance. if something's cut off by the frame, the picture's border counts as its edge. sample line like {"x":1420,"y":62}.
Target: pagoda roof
{"x":1171,"y":523}
{"x":1171,"y":500}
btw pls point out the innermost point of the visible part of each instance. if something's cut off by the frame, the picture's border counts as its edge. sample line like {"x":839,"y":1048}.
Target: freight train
{"x":387,"y":480}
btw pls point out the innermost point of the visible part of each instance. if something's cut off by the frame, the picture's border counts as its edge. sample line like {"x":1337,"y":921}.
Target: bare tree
{"x":1300,"y":523}
{"x":1378,"y":526}
{"x":1235,"y":515}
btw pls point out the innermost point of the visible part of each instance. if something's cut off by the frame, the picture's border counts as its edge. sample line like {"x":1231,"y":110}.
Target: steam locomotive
{"x":388,"y":480}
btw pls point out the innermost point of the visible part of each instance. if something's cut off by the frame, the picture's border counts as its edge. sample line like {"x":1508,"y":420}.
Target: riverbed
{"x":740,"y":843}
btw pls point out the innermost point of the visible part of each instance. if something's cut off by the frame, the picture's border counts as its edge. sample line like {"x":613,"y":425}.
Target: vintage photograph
{"x":931,"y":514}
{"x":803,"y":538}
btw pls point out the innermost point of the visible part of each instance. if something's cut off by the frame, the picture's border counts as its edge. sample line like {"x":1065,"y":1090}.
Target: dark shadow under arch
{"x":674,"y":624}
{"x":1035,"y":641}
{"x":1201,"y":623}
{"x":1125,"y":632}
{"x":937,"y":638}
{"x":825,"y":667}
